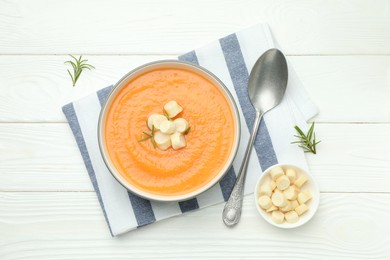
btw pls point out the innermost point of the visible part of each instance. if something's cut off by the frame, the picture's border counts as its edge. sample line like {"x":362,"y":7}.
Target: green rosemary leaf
{"x":298,"y":142}
{"x":299,"y":130}
{"x":166,"y":114}
{"x":70,"y":74}
{"x":71,"y":63}
{"x":144,"y":139}
{"x":187,"y":130}
{"x":73,"y":57}
{"x":147,"y":134}
{"x":87,"y":67}
{"x":310,"y":132}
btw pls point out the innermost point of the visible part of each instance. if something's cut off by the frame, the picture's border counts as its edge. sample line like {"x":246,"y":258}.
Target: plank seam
{"x":92,"y":191}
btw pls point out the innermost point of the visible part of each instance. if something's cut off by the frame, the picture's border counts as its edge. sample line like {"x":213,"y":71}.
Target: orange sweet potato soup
{"x":170,"y":172}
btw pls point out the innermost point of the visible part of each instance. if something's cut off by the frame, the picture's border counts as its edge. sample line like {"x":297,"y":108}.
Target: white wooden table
{"x":48,"y":209}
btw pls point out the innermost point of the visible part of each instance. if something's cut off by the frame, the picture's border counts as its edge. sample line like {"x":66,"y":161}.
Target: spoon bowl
{"x":268,"y":81}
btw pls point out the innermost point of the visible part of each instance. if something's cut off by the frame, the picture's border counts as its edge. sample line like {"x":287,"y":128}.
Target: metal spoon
{"x":266,"y":87}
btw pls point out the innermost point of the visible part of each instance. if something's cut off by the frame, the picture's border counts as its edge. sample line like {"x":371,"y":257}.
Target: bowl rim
{"x":194,"y":68}
{"x":313,"y":207}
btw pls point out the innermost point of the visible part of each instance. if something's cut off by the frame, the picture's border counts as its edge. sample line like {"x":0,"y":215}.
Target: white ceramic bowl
{"x":158,"y":65}
{"x":310,"y":185}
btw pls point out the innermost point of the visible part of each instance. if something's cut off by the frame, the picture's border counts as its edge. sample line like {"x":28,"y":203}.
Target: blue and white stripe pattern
{"x":231,"y":59}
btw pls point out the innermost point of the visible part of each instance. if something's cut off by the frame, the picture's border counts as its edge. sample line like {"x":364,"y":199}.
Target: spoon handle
{"x":232,"y":210}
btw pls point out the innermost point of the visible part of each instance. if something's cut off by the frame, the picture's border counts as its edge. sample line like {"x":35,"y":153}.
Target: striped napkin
{"x":231,"y":59}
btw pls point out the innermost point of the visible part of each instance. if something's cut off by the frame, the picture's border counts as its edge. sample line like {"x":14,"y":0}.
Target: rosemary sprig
{"x":78,"y":65}
{"x":307,"y":141}
{"x":149,"y":136}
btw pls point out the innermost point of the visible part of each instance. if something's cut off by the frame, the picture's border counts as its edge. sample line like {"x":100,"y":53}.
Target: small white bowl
{"x":310,"y":185}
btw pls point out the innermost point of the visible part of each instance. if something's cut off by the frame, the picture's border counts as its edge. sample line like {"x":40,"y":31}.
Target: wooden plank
{"x":352,"y":157}
{"x":45,"y":157}
{"x":346,"y":88}
{"x":41,"y":157}
{"x":71,"y":226}
{"x":150,"y":27}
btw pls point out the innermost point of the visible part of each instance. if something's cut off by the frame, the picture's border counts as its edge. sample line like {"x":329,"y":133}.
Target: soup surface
{"x":171,"y":172}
